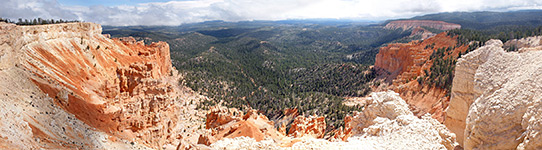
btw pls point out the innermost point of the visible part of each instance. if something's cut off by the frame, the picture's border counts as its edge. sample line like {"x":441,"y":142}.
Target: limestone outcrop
{"x":495,"y":102}
{"x":525,"y":44}
{"x":387,"y":123}
{"x":409,"y":24}
{"x":384,"y":105}
{"x":404,"y":132}
{"x":69,"y":86}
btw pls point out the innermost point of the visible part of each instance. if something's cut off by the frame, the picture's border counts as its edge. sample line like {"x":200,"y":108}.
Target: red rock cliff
{"x":409,"y":24}
{"x":401,"y":63}
{"x":118,"y":86}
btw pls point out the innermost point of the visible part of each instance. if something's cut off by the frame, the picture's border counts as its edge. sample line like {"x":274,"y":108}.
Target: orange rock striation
{"x":342,"y":134}
{"x":124,"y":88}
{"x":410,"y":24}
{"x":312,"y":126}
{"x":231,"y":123}
{"x":401,"y":63}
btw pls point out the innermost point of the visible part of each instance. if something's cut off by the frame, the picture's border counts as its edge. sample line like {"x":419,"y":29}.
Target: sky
{"x":176,"y":12}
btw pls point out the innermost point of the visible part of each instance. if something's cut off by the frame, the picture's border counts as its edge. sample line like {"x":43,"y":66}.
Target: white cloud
{"x":178,"y":12}
{"x":33,"y":9}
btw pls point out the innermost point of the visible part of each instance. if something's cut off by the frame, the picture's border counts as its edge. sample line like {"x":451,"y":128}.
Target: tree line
{"x":36,"y":21}
{"x":503,"y":33}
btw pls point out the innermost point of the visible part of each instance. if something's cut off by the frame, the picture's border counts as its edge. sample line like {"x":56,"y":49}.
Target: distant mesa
{"x":410,"y":24}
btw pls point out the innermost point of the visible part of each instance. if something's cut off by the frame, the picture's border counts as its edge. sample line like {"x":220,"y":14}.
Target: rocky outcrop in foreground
{"x":385,"y":123}
{"x":69,"y":86}
{"x":495,"y":101}
{"x":230,"y":123}
{"x":410,"y":24}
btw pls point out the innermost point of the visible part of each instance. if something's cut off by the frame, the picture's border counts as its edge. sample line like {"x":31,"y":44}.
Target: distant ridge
{"x":410,"y":24}
{"x":487,"y":19}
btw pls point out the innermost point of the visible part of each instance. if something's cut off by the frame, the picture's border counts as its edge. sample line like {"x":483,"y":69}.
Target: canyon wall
{"x":400,"y":64}
{"x":495,"y":100}
{"x":69,"y":86}
{"x":410,"y":24}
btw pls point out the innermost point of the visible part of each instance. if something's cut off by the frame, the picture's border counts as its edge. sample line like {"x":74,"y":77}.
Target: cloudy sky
{"x":175,"y":12}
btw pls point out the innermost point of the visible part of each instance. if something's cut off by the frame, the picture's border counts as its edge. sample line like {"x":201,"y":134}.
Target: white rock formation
{"x":385,"y":123}
{"x":383,"y":104}
{"x":463,"y":91}
{"x":244,"y":143}
{"x":496,"y":98}
{"x":526,"y":44}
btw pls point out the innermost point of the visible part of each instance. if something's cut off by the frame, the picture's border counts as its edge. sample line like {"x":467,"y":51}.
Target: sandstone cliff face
{"x":409,"y":24}
{"x":74,"y":84}
{"x":495,"y":100}
{"x":405,"y":61}
{"x":312,"y":126}
{"x":384,"y":123}
{"x":401,"y":63}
